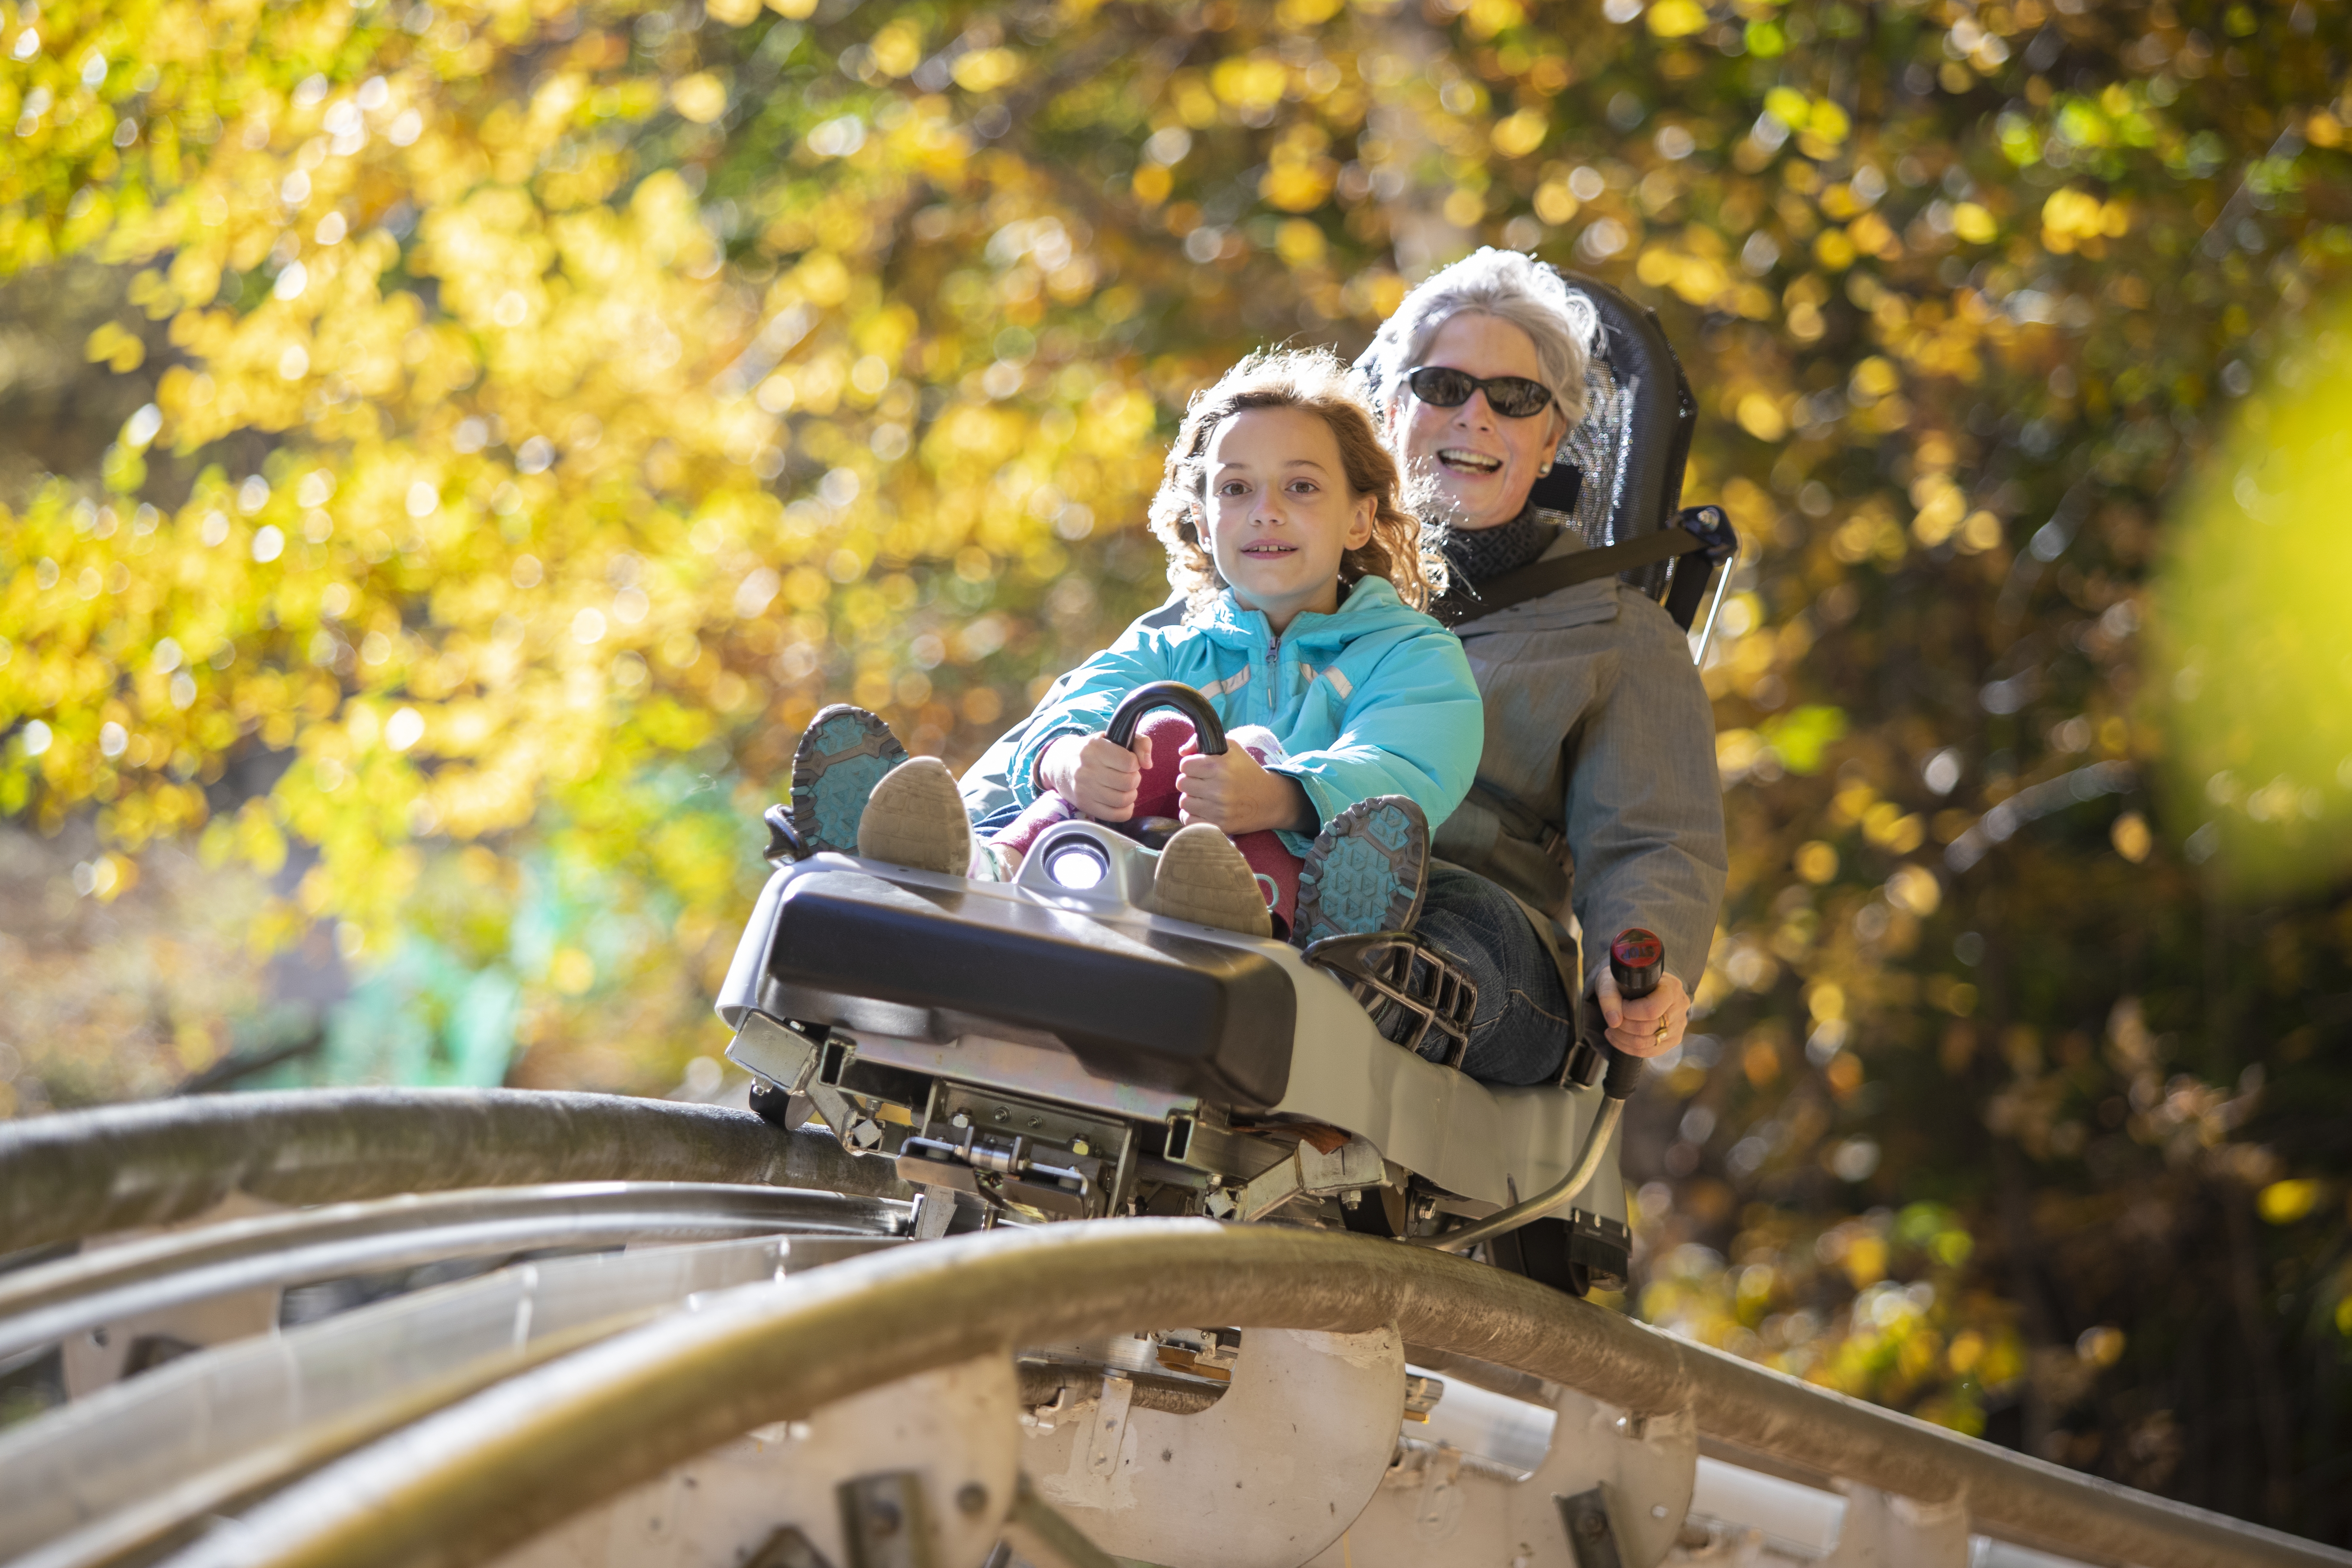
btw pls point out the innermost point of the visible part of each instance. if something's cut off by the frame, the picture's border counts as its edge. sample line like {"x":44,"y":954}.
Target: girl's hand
{"x":1233,"y":793}
{"x":1099,"y":778}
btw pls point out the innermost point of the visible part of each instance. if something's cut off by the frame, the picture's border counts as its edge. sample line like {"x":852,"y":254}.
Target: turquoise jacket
{"x":1373,"y":698}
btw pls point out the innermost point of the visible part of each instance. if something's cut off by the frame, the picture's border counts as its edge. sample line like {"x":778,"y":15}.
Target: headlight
{"x":1077,"y":866}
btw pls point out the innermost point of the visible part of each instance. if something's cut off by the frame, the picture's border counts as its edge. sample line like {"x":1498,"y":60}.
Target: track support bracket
{"x":1040,"y":1536}
{"x":1585,"y":1517}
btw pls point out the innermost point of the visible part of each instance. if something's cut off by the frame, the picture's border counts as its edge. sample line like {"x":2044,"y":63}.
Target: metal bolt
{"x":971,"y":1497}
{"x":960,"y":1120}
{"x":885,"y":1515}
{"x":1004,"y":1114}
{"x":1080,"y":1146}
{"x":1593,"y":1525}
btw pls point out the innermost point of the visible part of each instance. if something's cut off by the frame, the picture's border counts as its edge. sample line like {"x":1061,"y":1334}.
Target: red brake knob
{"x":1637,"y":960}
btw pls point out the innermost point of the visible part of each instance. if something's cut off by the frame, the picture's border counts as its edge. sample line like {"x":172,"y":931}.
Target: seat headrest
{"x":1634,"y":439}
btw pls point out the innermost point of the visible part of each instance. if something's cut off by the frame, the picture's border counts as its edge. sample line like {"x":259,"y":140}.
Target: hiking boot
{"x":916,"y":818}
{"x":840,"y":757}
{"x":1201,"y":878}
{"x":1365,"y":873}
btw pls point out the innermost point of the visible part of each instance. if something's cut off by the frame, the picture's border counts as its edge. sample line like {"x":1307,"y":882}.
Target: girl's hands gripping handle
{"x":1101,"y":775}
{"x":1096,"y":774}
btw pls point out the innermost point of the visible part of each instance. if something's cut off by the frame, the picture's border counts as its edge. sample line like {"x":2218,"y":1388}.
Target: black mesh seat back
{"x":1143,"y":1007}
{"x":1629,"y":451}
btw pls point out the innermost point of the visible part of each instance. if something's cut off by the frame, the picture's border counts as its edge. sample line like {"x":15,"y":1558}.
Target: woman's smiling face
{"x":1280,"y":514}
{"x":1481,"y":464}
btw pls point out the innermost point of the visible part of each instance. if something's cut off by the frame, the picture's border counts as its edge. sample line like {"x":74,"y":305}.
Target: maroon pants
{"x":1173,"y":740}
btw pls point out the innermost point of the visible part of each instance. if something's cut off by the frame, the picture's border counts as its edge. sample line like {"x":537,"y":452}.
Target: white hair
{"x":1509,"y":287}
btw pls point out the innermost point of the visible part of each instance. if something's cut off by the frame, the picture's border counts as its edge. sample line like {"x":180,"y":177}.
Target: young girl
{"x":1352,"y":719}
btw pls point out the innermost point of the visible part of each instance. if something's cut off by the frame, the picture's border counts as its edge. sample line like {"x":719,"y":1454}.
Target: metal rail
{"x":463,"y":1485}
{"x":85,"y":1171}
{"x":46,"y":1303}
{"x":139,"y":1533}
{"x":122,"y":1471}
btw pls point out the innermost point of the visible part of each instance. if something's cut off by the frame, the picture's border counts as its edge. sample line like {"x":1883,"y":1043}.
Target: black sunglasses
{"x":1512,"y":396}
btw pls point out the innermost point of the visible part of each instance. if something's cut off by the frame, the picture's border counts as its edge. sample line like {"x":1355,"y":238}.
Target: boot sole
{"x":840,"y":757}
{"x":1367,"y":872}
{"x":1223,"y":909}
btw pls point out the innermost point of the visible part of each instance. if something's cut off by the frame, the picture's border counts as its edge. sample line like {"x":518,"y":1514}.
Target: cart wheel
{"x":1378,"y":1211}
{"x":772,"y":1104}
{"x":1540,"y":1251}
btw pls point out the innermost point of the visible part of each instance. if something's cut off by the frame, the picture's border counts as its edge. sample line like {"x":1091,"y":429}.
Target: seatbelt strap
{"x":1523,"y":825}
{"x":1567,"y":571}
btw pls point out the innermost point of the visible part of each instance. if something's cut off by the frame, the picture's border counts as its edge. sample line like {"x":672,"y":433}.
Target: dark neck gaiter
{"x":1480,"y":556}
{"x":1483,"y":555}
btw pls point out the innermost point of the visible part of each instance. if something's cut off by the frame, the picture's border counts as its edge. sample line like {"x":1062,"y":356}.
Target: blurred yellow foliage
{"x":2283,"y":1202}
{"x":488,"y":432}
{"x":1677,"y":18}
{"x":2255,"y":659}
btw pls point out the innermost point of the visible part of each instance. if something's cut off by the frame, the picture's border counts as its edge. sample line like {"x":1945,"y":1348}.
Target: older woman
{"x":1597,"y":788}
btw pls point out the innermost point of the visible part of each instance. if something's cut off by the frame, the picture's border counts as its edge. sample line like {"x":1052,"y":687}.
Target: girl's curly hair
{"x":1315,"y":381}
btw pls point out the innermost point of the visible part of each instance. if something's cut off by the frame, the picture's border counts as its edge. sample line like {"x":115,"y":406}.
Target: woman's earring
{"x":1545,"y":469}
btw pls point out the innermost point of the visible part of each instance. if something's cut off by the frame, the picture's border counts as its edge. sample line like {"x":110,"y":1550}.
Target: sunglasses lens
{"x":1515,"y":399}
{"x":1512,"y":396}
{"x":1442,"y":388}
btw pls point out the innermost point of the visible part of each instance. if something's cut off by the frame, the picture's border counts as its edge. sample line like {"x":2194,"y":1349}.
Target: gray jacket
{"x":1599,"y":772}
{"x":1600,"y":745}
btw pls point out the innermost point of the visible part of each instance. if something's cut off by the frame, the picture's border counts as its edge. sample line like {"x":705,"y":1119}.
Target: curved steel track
{"x":84,"y":1173}
{"x":462,"y":1483}
{"x":45,"y":1303}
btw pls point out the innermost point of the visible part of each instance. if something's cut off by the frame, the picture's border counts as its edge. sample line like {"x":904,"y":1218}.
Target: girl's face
{"x":1280,"y":514}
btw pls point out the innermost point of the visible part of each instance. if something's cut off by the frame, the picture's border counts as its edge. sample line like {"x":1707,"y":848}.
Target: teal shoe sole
{"x":1366,"y":873}
{"x":840,"y":757}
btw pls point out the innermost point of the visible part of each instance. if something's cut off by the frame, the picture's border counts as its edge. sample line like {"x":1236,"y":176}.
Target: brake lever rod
{"x":1637,"y":962}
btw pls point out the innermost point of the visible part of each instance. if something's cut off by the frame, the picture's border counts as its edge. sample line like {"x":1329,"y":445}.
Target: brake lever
{"x":1637,"y":962}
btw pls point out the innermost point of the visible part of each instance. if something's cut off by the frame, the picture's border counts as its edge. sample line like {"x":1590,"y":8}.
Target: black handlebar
{"x":1206,"y":725}
{"x":1637,"y":961}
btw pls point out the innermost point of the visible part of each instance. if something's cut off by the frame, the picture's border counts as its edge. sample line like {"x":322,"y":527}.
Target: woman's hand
{"x":1097,"y":777}
{"x":1648,"y":1025}
{"x":1231,"y":792}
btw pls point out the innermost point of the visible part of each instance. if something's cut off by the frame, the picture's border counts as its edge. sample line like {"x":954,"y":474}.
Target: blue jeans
{"x":1521,"y":1031}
